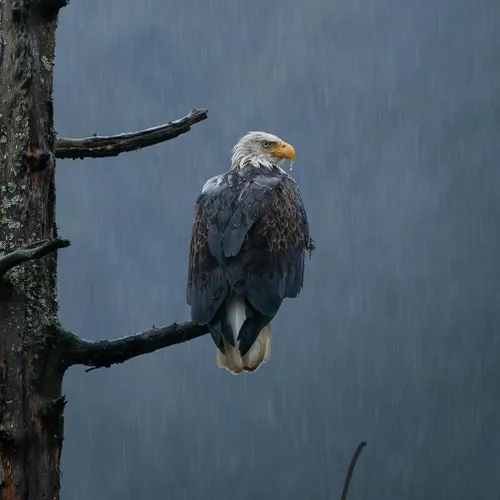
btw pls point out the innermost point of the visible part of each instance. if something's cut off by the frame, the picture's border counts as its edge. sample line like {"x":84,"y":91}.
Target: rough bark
{"x":31,"y":402}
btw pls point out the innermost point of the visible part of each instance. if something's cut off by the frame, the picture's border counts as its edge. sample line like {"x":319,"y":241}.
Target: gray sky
{"x":392,"y":107}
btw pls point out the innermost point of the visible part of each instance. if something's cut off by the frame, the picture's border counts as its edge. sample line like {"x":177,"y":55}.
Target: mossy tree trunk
{"x":31,"y":422}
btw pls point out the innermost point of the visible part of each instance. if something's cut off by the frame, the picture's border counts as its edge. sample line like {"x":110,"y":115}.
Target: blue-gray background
{"x":392,"y":106}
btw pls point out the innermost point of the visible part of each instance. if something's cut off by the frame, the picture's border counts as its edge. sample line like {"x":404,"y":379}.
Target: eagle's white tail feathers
{"x":260,"y":351}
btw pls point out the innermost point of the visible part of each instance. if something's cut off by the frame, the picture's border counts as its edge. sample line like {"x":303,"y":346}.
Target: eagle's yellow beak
{"x":284,"y":150}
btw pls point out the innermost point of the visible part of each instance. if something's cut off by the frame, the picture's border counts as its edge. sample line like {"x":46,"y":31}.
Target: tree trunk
{"x":31,"y":403}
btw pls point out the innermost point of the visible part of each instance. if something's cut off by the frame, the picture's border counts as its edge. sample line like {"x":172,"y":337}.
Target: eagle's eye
{"x":265,"y":144}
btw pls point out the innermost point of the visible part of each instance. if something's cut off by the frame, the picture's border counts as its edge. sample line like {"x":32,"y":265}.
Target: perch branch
{"x":104,"y":353}
{"x":32,"y":251}
{"x":350,"y":470}
{"x":113,"y":145}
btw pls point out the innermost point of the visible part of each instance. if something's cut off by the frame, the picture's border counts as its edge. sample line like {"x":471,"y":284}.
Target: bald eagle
{"x":247,"y":253}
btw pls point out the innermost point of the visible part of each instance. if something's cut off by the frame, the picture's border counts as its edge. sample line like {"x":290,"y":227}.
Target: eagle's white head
{"x":261,"y":149}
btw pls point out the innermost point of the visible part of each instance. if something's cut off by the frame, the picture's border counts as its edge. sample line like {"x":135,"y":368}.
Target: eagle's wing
{"x":268,"y":234}
{"x":206,"y":287}
{"x":250,"y":233}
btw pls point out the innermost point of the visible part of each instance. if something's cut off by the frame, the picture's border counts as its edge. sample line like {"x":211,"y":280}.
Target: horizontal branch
{"x":33,"y":251}
{"x":113,"y":145}
{"x":104,"y":353}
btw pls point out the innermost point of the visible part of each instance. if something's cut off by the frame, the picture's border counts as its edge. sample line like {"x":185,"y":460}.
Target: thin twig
{"x":350,"y":470}
{"x":104,"y":353}
{"x":33,"y":251}
{"x":113,"y":145}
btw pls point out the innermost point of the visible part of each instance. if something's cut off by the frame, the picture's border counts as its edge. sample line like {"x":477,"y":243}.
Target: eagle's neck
{"x":242,"y":158}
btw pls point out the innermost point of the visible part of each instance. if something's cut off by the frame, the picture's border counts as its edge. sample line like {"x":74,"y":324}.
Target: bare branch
{"x":350,"y":470}
{"x":32,"y":251}
{"x":104,"y":353}
{"x":113,"y":145}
